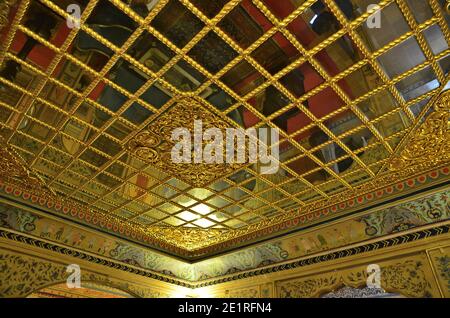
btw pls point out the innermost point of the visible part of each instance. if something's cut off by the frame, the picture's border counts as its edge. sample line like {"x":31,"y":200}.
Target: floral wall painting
{"x":420,"y":211}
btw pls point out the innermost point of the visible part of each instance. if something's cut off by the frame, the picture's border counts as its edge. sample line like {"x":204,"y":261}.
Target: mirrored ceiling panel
{"x":340,"y":81}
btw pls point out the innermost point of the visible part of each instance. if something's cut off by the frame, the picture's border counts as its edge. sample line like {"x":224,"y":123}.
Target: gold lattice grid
{"x":166,"y":200}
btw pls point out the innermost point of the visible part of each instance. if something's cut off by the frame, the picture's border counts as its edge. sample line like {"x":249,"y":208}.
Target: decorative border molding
{"x":394,"y":241}
{"x":14,"y":170}
{"x":80,"y":214}
{"x":353,"y":203}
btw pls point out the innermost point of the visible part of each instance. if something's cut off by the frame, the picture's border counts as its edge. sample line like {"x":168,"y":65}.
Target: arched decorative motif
{"x":426,"y":148}
{"x":22,"y":275}
{"x":87,"y":290}
{"x":407,"y":277}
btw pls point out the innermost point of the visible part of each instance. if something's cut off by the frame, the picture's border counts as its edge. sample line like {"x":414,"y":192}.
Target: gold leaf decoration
{"x":13,"y":170}
{"x":154,"y":144}
{"x":307,"y":288}
{"x":429,"y":146}
{"x":189,"y":238}
{"x":407,"y":277}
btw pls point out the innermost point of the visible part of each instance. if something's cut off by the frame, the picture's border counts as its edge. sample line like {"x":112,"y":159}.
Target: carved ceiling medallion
{"x":154,"y":144}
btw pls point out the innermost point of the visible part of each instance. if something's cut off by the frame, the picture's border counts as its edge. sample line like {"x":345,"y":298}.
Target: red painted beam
{"x":325,"y":101}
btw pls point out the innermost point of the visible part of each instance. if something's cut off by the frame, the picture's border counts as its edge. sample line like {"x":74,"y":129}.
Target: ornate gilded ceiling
{"x":86,"y":113}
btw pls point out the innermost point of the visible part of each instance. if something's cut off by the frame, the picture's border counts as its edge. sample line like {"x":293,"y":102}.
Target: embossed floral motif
{"x":306,"y":288}
{"x":188,"y":237}
{"x":243,"y":293}
{"x":13,"y":169}
{"x":22,"y":275}
{"x":12,"y":172}
{"x":429,"y":146}
{"x":406,"y":277}
{"x":154,"y":144}
{"x":366,"y":292}
{"x":5,"y":8}
{"x":443,"y":263}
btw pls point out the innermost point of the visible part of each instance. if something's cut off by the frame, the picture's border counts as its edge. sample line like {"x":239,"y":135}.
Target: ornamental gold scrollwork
{"x":429,"y":146}
{"x":22,"y":275}
{"x":145,"y":146}
{"x":13,"y":171}
{"x":154,"y":143}
{"x":406,"y":277}
{"x":309,"y":287}
{"x":189,"y":238}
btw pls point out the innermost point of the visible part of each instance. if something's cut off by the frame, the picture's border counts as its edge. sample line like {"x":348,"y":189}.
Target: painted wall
{"x":416,"y":269}
{"x":428,"y":209}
